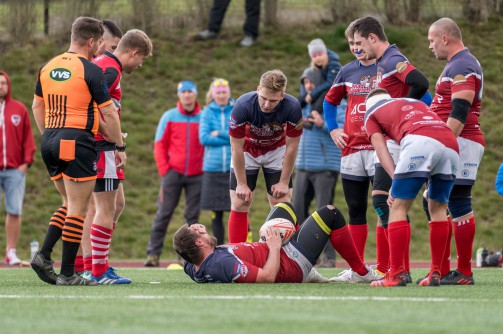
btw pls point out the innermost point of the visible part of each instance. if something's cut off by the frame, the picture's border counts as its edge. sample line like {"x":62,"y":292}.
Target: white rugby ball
{"x":285,"y":227}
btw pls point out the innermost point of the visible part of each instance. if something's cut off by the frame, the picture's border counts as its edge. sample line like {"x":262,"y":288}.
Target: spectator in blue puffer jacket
{"x":318,"y":159}
{"x":214,"y":135}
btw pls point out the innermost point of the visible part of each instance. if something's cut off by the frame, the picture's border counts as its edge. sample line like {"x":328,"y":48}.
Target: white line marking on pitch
{"x":260,"y":297}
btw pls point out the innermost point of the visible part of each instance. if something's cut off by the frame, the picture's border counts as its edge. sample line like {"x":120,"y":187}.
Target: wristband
{"x":121,"y":148}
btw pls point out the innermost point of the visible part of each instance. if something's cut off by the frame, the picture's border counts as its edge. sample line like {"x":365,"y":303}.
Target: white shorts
{"x":422,"y":156}
{"x":358,"y":166}
{"x":394,"y":150}
{"x":272,"y":161}
{"x":470,"y":155}
{"x":106,"y":168}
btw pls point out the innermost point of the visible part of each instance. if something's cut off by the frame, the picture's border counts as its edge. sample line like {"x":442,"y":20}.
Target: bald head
{"x":447,"y":26}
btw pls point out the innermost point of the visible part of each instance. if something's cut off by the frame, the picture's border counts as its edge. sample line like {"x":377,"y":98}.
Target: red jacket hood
{"x":7,"y":97}
{"x":196,"y":111}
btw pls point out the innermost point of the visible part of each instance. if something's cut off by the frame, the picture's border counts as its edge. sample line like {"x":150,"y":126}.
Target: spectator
{"x":179,"y":158}
{"x":498,"y":184}
{"x":214,"y":135}
{"x":250,"y":27}
{"x":17,"y":147}
{"x":327,"y":61}
{"x":318,"y":160}
{"x":68,"y":142}
{"x":265,"y":129}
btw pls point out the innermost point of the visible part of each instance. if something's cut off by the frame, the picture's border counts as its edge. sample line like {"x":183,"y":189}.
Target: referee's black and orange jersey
{"x":72,"y":89}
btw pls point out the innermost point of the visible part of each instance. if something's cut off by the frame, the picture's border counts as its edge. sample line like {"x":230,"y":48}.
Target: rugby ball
{"x":285,"y":227}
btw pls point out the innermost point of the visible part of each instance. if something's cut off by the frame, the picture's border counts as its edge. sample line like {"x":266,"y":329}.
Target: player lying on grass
{"x":269,"y":261}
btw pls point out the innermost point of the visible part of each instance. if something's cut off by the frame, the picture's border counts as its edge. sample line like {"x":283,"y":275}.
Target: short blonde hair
{"x":274,"y":81}
{"x":136,"y":39}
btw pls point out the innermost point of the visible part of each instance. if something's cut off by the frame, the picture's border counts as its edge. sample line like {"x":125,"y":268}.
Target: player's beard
{"x":213,"y":241}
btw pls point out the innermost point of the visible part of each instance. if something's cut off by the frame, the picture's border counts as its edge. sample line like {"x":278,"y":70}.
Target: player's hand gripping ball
{"x":285,"y":227}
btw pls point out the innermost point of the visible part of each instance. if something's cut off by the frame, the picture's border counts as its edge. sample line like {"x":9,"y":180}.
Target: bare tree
{"x":392,"y":11}
{"x":271,"y":13}
{"x":413,"y":9}
{"x":21,"y":20}
{"x":476,"y":10}
{"x":344,"y":10}
{"x":144,"y":12}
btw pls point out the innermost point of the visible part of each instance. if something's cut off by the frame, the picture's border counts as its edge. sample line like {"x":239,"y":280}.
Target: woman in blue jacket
{"x":214,"y":135}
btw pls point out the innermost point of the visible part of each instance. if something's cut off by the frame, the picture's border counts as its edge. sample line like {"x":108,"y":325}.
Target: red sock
{"x":398,"y":234}
{"x":382,"y":250}
{"x":100,"y":242}
{"x":88,"y":262}
{"x":79,"y":263}
{"x":439,"y":232}
{"x":238,"y":226}
{"x":344,"y":245}
{"x":359,"y":234}
{"x":446,"y":261}
{"x":464,"y":232}
{"x":406,"y":258}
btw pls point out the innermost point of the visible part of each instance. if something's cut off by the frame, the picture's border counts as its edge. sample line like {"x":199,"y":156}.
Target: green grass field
{"x":162,"y":301}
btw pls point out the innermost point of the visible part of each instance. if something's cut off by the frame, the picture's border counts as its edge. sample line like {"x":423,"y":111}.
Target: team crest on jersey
{"x":411,"y":166}
{"x":465,"y":173}
{"x":367,"y":83}
{"x":458,"y":79}
{"x":407,"y":107}
{"x":401,"y":66}
{"x":15,"y":119}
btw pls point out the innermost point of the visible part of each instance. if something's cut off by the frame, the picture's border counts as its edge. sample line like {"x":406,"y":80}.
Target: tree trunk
{"x":414,"y":10}
{"x":144,"y":14}
{"x":46,"y":17}
{"x":476,"y":10}
{"x":271,"y":13}
{"x":344,"y":10}
{"x":392,"y":11}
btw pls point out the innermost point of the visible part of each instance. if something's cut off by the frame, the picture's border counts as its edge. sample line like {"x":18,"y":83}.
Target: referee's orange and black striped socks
{"x":54,"y":231}
{"x":72,"y":235}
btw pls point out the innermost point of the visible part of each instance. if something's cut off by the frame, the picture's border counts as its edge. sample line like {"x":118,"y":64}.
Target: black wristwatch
{"x":121,"y":148}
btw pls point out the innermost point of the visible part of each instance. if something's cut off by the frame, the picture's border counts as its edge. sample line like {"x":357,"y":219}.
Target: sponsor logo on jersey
{"x":407,"y":107}
{"x":470,"y":164}
{"x":417,"y":157}
{"x":60,"y":74}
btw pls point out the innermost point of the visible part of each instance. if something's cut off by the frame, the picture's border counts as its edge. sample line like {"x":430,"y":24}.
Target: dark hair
{"x":369,"y":25}
{"x":112,"y":28}
{"x":184,"y":242}
{"x":84,"y":28}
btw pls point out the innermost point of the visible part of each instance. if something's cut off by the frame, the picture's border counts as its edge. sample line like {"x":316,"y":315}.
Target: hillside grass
{"x":151,"y":90}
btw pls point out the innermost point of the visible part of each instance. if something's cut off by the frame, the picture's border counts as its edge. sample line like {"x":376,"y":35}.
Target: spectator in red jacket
{"x":17,"y":147}
{"x":179,"y":158}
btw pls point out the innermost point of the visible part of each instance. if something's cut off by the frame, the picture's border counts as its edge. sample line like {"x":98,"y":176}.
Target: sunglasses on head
{"x":221,"y":83}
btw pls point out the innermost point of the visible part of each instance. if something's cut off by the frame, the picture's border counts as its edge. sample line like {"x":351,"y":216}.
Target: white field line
{"x":259,"y":297}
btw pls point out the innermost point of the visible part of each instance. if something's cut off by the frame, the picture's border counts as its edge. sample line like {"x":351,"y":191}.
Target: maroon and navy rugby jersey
{"x":240,"y":263}
{"x":462,"y":72}
{"x":112,"y":70}
{"x":392,"y":69}
{"x":398,"y":118}
{"x":264,"y":132}
{"x":354,"y":81}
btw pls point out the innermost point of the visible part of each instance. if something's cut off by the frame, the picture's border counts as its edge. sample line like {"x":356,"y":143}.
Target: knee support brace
{"x":460,"y":201}
{"x":381,"y":207}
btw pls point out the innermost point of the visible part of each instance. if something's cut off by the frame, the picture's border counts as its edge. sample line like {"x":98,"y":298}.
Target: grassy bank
{"x":152,"y":90}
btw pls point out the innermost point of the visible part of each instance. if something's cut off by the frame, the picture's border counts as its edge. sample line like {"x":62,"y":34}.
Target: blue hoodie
{"x":217,"y":150}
